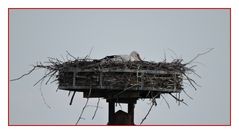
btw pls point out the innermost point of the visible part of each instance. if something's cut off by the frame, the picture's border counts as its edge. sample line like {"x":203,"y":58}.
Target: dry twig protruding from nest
{"x":96,"y":109}
{"x":83,"y":109}
{"x":42,"y":96}
{"x":166,"y":101}
{"x":71,"y":55}
{"x":200,"y":54}
{"x":154,"y":103}
{"x":179,"y":99}
{"x":72,"y":97}
{"x":34,"y":67}
{"x":187,"y":94}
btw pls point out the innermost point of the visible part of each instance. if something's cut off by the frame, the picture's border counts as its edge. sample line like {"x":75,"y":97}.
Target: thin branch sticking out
{"x":42,"y":96}
{"x":34,"y":67}
{"x":71,"y":55}
{"x":187,"y":94}
{"x":153,"y":103}
{"x":72,"y":97}
{"x":200,"y":54}
{"x":165,"y":101}
{"x":83,"y":109}
{"x":179,"y":99}
{"x":97,"y":107}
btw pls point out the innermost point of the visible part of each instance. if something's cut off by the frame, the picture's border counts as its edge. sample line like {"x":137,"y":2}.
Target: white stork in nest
{"x":134,"y":56}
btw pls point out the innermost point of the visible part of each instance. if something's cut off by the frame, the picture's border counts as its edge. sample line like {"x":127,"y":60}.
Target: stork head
{"x":134,"y":56}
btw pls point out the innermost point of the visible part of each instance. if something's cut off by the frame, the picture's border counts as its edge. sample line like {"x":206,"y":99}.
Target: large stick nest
{"x":141,"y":76}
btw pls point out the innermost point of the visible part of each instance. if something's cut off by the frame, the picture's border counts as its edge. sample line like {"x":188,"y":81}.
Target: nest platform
{"x":116,"y":80}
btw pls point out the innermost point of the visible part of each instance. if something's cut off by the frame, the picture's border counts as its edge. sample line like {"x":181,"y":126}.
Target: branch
{"x":89,"y":53}
{"x":153,"y":103}
{"x":69,"y":93}
{"x":200,"y":54}
{"x":50,"y":77}
{"x":71,"y":55}
{"x":125,"y":89}
{"x":165,"y":57}
{"x":196,"y":74}
{"x":82,"y":111}
{"x":173,"y":52}
{"x":72,"y":97}
{"x":147,"y":113}
{"x":166,"y":101}
{"x":187,"y":94}
{"x":42,"y":96}
{"x":97,"y":107}
{"x":34,"y":67}
{"x":43,"y":78}
{"x":189,"y":80}
{"x":178,"y":99}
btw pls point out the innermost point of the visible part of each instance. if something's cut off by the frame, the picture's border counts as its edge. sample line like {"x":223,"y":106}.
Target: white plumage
{"x":134,"y":56}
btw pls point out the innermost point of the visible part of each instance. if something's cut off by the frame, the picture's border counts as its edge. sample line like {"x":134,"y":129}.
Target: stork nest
{"x":83,"y":74}
{"x":114,"y":78}
{"x":136,"y":75}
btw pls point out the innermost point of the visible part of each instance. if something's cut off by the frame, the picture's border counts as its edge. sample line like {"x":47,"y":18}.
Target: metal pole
{"x":111,"y":112}
{"x":131,"y":112}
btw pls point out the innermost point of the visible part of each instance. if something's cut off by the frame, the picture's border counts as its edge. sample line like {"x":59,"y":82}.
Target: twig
{"x":97,"y":107}
{"x":165,"y":58}
{"x":166,"y":101}
{"x":63,"y":58}
{"x":153,"y":103}
{"x":69,"y":93}
{"x":83,"y":109}
{"x":125,"y":90}
{"x":50,"y":77}
{"x":148,"y":94}
{"x":120,"y":106}
{"x":173,"y":52}
{"x":42,"y":96}
{"x":189,"y":81}
{"x":87,"y":56}
{"x":72,"y":97}
{"x":196,"y":74}
{"x":147,"y":113}
{"x":34,"y":67}
{"x":71,"y":55}
{"x":200,"y":54}
{"x":193,"y":81}
{"x":42,"y":78}
{"x":178,"y":99}
{"x":199,"y":63}
{"x":187,"y":94}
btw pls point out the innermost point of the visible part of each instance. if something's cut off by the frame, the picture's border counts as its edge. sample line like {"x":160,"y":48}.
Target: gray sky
{"x":38,"y":34}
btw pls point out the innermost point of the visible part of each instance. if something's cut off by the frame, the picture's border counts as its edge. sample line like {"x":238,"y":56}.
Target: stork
{"x":134,"y":56}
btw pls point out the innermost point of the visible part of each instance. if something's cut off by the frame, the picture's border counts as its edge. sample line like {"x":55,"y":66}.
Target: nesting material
{"x":138,"y":76}
{"x":120,"y":81}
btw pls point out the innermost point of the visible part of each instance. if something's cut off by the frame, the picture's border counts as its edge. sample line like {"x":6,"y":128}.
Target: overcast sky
{"x":38,"y":34}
